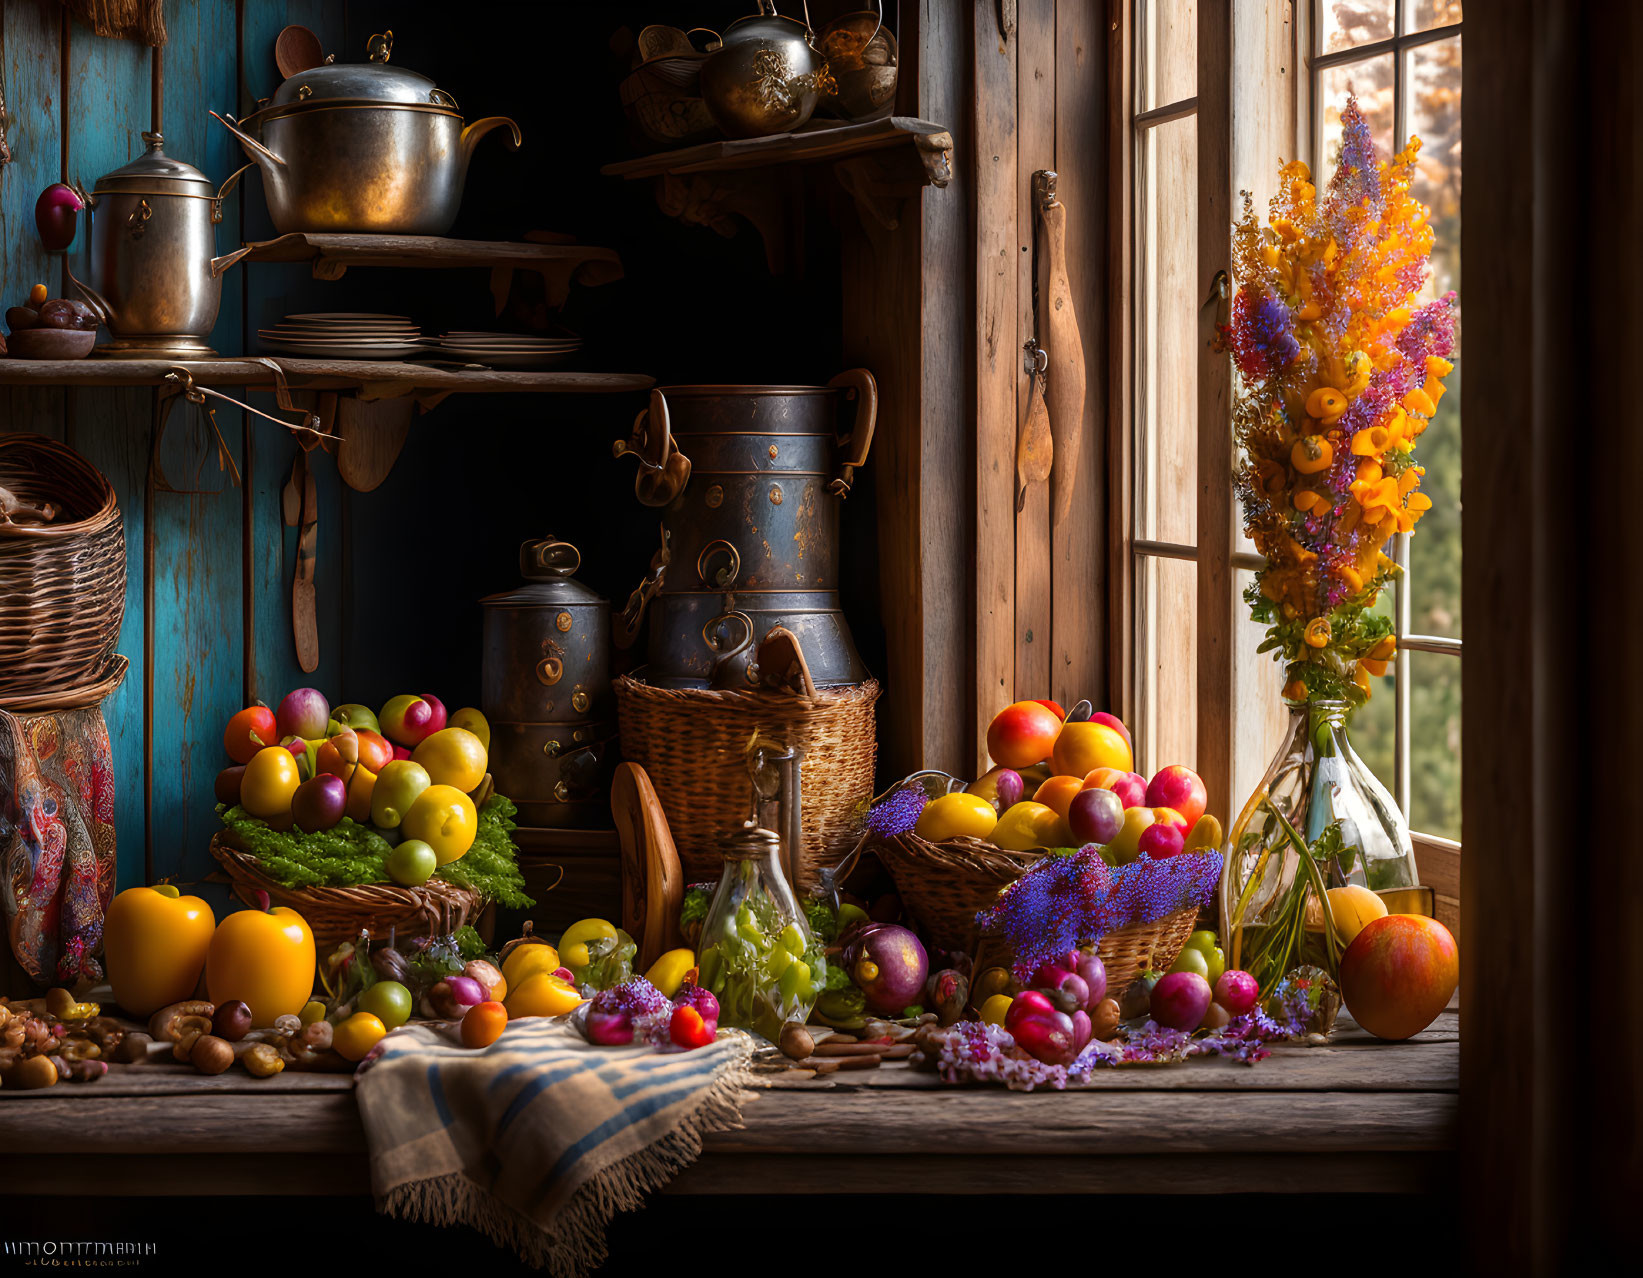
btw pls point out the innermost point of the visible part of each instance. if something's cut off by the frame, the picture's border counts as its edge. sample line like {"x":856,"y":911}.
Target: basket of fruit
{"x":360,"y":821}
{"x":62,"y":570}
{"x":693,"y":744}
{"x":952,"y":848}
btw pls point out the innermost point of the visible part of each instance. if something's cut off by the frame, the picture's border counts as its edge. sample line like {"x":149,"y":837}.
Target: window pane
{"x":1166,"y":648}
{"x":1432,"y":107}
{"x":1371,"y":80}
{"x":1423,"y":15}
{"x":1168,"y":56}
{"x":1343,"y":24}
{"x":1166,"y":452}
{"x":1434,"y":743}
{"x":1258,"y":710}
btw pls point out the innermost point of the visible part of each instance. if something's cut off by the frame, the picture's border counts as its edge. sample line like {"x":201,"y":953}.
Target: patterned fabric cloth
{"x":56,"y":841}
{"x":539,"y":1139}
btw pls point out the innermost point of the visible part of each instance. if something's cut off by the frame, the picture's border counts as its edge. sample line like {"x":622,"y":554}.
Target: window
{"x":1402,"y":58}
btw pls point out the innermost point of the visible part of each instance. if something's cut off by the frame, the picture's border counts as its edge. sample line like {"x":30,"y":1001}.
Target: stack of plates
{"x":506,"y":350}
{"x":345,"y":335}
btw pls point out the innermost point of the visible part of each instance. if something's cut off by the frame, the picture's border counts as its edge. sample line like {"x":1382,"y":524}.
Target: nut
{"x":182,"y":1050}
{"x":79,"y":1049}
{"x":796,"y":1042}
{"x":132,"y":1048}
{"x":315,"y":1037}
{"x":288,"y":1024}
{"x":262,"y":1060}
{"x":1104,"y":1019}
{"x":86,"y":1071}
{"x":212,"y":1055}
{"x":231,"y":1020}
{"x":169,"y":1023}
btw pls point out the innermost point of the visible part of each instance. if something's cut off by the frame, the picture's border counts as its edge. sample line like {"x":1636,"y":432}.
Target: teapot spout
{"x":93,"y":298}
{"x":479,"y":128}
{"x":255,"y":149}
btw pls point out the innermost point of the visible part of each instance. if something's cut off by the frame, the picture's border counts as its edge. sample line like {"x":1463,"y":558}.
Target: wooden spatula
{"x":1066,"y":372}
{"x":653,"y":883}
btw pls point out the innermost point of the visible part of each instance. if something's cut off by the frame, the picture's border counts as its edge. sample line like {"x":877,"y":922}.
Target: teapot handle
{"x":858,"y":385}
{"x":767,"y":8}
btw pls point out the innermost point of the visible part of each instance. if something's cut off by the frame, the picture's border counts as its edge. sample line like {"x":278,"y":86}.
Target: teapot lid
{"x":548,"y":565}
{"x":372,"y":81}
{"x":155,"y":173}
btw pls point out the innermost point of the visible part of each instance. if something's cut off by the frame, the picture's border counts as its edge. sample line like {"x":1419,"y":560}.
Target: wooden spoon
{"x":653,"y":884}
{"x":297,"y":49}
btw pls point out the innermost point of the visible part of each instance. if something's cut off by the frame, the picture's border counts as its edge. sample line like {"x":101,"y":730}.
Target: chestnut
{"x":22,"y":317}
{"x":231,"y":1021}
{"x":211,"y":1055}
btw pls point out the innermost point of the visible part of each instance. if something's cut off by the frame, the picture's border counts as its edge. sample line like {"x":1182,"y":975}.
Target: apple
{"x":440,"y":718}
{"x":406,"y":719}
{"x":353,"y":715}
{"x":1180,"y":788}
{"x":1160,"y":840}
{"x":1115,"y":723}
{"x":372,"y":751}
{"x":1095,"y":815}
{"x":1053,"y":707}
{"x":1398,"y":974}
{"x":1169,"y":816}
{"x":1130,"y":787}
{"x":1080,"y":748}
{"x":397,"y":787}
{"x":1022,"y":734}
{"x":1237,"y":991}
{"x":304,"y":713}
{"x":1180,"y":999}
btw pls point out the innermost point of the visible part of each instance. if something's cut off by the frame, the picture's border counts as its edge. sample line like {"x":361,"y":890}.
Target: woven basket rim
{"x":93,"y":692}
{"x":244,"y":866}
{"x":768,"y":698}
{"x":99,"y":519}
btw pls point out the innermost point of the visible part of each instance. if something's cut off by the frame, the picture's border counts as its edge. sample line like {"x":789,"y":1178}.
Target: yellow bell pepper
{"x":264,"y":958}
{"x":154,"y":947}
{"x":667,"y":973}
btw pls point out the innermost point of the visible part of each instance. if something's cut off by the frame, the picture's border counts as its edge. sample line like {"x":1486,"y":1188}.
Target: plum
{"x":1180,"y":999}
{"x":888,"y":963}
{"x":1236,"y":991}
{"x":319,"y":803}
{"x":1010,"y":788}
{"x":64,"y":312}
{"x":227,"y":785}
{"x":304,"y":713}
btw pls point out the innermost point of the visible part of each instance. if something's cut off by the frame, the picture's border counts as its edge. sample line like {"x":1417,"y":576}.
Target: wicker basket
{"x":692,"y":744}
{"x":945,"y":885}
{"x":336,"y":914}
{"x":62,"y":584}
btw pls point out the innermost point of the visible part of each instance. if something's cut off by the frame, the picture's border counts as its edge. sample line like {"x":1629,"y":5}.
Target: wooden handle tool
{"x":1066,"y":373}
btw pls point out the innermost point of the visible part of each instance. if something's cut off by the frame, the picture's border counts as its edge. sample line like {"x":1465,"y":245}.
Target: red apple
{"x":1053,"y":706}
{"x":1130,"y":787}
{"x":1116,"y":724}
{"x":1022,"y":734}
{"x":438,"y":718}
{"x":1169,"y":816}
{"x":1398,"y":974}
{"x":1161,"y":840}
{"x":1180,"y":788}
{"x":1180,"y":999}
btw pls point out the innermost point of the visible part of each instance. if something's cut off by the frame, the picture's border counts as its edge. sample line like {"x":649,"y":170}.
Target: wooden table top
{"x":1354,"y":1115}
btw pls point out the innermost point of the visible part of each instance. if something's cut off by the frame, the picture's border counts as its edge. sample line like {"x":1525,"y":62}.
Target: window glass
{"x":1166,"y":648}
{"x":1168,"y":53}
{"x":1344,"y":24}
{"x":1423,"y":15}
{"x":1371,"y":81}
{"x":1434,"y":743}
{"x":1166,"y":453}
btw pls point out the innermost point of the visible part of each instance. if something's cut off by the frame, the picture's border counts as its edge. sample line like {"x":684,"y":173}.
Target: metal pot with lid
{"x":363,"y":147}
{"x":545,"y":689}
{"x":156,"y":282}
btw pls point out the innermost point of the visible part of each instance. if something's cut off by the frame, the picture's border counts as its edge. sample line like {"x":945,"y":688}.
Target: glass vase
{"x":758,"y":956}
{"x":1316,"y":778}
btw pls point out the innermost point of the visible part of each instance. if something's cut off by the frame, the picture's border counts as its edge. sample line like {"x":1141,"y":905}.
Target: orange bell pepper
{"x":154,"y":945}
{"x":266,"y":959}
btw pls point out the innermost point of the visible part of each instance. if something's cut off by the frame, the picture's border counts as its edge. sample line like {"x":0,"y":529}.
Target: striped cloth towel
{"x":541,"y":1138}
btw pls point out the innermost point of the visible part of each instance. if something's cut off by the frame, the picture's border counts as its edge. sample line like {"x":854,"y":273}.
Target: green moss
{"x":350,"y":854}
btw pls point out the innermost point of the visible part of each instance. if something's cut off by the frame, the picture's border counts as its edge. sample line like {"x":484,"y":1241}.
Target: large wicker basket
{"x":62,"y":584}
{"x":945,"y":885}
{"x":336,"y":914}
{"x":692,"y":743}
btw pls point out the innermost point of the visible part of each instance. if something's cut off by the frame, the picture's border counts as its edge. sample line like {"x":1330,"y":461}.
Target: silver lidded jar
{"x":363,"y":147}
{"x":156,"y":282}
{"x":546,"y":690}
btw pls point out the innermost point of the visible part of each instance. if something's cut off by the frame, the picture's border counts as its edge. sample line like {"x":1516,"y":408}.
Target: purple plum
{"x":304,"y":713}
{"x":1180,"y":999}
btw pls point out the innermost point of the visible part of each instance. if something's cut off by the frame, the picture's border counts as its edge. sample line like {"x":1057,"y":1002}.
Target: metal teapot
{"x":156,"y":282}
{"x":766,"y":74}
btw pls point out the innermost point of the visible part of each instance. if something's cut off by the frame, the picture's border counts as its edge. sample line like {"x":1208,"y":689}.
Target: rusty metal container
{"x":546,"y":690}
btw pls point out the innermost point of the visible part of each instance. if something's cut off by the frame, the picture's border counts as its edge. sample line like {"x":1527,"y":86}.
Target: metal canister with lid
{"x":546,"y":690}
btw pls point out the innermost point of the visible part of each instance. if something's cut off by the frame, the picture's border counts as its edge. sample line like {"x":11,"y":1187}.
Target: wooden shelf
{"x":882,"y":165}
{"x":931,"y":143}
{"x":330,"y":255}
{"x":314,"y":374}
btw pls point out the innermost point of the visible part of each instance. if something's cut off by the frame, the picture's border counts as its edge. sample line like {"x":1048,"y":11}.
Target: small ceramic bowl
{"x":51,"y":343}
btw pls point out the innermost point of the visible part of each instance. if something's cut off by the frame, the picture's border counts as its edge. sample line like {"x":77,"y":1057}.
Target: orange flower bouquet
{"x":1339,"y":373}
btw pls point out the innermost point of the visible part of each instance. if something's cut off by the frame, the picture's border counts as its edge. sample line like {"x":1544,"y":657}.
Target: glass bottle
{"x":1316,"y":778}
{"x":758,"y":956}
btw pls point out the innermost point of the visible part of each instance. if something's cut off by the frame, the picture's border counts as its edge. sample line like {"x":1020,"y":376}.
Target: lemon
{"x":527,"y":960}
{"x":668,"y":972}
{"x":952,"y":816}
{"x":1030,"y":825}
{"x":542,"y":995}
{"x":452,"y":756}
{"x":474,"y":722}
{"x":445,"y":819}
{"x":995,"y":1009}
